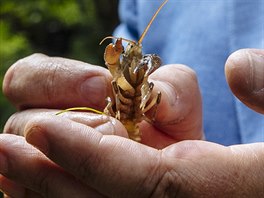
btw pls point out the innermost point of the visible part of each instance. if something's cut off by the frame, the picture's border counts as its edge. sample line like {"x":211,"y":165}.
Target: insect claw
{"x":118,"y":115}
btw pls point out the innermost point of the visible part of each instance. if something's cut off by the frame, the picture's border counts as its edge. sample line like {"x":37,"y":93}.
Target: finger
{"x":42,"y":81}
{"x":25,"y":165}
{"x":245,"y":75}
{"x":113,"y":165}
{"x":12,"y":189}
{"x":179,"y":115}
{"x":102,"y":123}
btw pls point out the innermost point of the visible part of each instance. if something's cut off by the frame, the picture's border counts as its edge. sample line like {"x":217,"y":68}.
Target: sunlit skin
{"x":88,"y":93}
{"x":49,"y":152}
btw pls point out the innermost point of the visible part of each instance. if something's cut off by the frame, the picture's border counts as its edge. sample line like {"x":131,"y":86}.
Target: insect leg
{"x":108,"y":110}
{"x":146,"y":91}
{"x":153,"y":104}
{"x":117,"y":100}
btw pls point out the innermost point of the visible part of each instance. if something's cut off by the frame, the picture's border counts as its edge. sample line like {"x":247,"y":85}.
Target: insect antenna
{"x":152,"y":19}
{"x":80,"y":109}
{"x":113,"y":37}
{"x":145,"y":31}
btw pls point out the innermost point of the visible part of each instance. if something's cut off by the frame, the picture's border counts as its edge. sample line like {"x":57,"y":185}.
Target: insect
{"x":132,"y":91}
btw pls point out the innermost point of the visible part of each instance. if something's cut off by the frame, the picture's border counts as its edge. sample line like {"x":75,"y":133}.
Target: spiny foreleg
{"x":154,"y":106}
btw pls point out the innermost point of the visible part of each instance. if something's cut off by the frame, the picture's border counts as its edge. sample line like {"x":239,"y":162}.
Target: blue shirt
{"x":202,"y":34}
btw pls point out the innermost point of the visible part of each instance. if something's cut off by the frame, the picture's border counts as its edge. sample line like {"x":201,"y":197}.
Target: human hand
{"x":78,"y":161}
{"x":63,"y":83}
{"x":245,"y":75}
{"x":169,"y":177}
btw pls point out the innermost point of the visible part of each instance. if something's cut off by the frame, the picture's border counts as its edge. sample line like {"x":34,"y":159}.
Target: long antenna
{"x":152,"y":19}
{"x":113,"y":37}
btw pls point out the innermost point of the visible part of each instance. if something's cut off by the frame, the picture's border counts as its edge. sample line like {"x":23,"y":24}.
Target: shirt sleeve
{"x":128,"y":14}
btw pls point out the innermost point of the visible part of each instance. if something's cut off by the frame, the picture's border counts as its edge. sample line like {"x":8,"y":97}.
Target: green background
{"x":67,"y":28}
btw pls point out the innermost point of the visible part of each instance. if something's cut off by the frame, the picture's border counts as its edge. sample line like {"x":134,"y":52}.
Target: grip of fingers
{"x":52,"y":82}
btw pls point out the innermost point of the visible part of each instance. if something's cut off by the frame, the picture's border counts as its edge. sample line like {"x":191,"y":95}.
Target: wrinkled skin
{"x":86,"y":155}
{"x":244,"y":73}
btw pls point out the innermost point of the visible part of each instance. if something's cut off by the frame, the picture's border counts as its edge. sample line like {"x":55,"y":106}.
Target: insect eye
{"x":130,"y":45}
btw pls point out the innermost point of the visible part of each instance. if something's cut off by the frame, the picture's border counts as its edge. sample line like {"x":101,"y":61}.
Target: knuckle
{"x":149,"y":186}
{"x":12,"y":82}
{"x":50,"y":72}
{"x":167,"y":185}
{"x":42,"y":182}
{"x":167,"y":180}
{"x":57,"y":79}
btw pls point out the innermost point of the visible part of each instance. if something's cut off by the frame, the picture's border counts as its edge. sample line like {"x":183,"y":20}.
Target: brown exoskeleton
{"x":132,"y":91}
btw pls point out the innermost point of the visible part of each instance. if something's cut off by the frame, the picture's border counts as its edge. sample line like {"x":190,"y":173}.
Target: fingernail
{"x":94,"y":90}
{"x":36,"y":137}
{"x":3,"y":164}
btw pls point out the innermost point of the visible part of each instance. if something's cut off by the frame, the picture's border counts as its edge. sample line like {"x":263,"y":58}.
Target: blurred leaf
{"x":12,"y":47}
{"x":68,"y":28}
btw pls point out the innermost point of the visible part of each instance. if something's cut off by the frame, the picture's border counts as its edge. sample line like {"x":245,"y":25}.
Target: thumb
{"x":245,"y":75}
{"x":114,"y":166}
{"x":179,"y":114}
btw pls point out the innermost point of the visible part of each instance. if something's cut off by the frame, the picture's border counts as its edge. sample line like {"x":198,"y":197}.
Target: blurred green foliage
{"x":67,"y":28}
